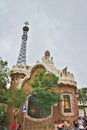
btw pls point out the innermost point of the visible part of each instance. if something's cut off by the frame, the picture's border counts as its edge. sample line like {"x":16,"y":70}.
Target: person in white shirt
{"x":80,"y":123}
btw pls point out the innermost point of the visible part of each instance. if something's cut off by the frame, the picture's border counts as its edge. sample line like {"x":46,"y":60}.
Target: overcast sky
{"x":59,"y":26}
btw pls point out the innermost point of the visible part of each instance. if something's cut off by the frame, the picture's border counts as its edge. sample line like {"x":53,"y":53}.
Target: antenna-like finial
{"x":22,"y":54}
{"x":26,"y":23}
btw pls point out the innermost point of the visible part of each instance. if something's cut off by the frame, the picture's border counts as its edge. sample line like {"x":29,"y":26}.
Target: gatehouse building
{"x":21,"y":77}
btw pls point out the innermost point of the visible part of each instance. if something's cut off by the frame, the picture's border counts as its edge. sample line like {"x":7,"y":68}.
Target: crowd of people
{"x":62,"y":125}
{"x":78,"y":124}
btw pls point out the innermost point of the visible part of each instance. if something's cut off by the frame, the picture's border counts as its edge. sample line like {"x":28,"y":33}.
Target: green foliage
{"x":3,"y":73}
{"x":13,"y":98}
{"x":46,"y":98}
{"x":45,"y":81}
{"x":4,"y":96}
{"x":82,"y":94}
{"x":43,"y":86}
{"x":8,"y":97}
{"x":4,"y":80}
{"x":3,"y":113}
{"x":16,"y":97}
{"x":81,"y":107}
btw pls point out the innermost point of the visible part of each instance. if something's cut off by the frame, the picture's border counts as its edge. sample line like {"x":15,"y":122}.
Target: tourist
{"x":18,"y":126}
{"x":86,"y":123}
{"x":13,"y":126}
{"x":4,"y":128}
{"x":55,"y":125}
{"x":67,"y":125}
{"x":80,"y":123}
{"x":60,"y":125}
{"x":75,"y":123}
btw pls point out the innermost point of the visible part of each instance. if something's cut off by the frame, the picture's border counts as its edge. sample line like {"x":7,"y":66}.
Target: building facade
{"x":22,"y":76}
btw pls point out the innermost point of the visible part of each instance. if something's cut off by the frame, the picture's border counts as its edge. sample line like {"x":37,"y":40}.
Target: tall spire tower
{"x":22,"y":55}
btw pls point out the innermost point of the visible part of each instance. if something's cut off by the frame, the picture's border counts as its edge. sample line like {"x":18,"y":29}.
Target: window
{"x":67,"y":104}
{"x":37,"y":111}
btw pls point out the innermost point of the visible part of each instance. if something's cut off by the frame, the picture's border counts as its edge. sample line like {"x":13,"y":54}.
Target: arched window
{"x":37,"y":111}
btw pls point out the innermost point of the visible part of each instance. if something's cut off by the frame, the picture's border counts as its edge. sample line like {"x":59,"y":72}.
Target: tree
{"x":82,"y":97}
{"x":43,"y":90}
{"x":3,"y":113}
{"x":4,"y":80}
{"x":15,"y":98}
{"x":82,"y":94}
{"x":8,"y":97}
{"x":11,"y":98}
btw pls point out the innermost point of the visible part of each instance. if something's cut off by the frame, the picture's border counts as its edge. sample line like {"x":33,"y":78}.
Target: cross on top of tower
{"x":26,"y":23}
